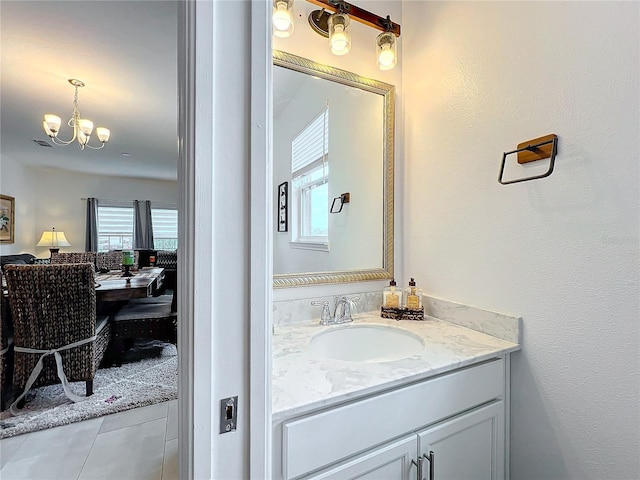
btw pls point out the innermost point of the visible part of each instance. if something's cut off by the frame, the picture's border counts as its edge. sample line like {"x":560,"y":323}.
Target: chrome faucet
{"x":341,"y":311}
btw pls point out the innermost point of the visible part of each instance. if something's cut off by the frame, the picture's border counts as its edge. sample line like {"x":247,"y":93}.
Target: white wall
{"x":478,"y":79}
{"x":362,"y":61}
{"x":47,"y":197}
{"x":16,"y":182}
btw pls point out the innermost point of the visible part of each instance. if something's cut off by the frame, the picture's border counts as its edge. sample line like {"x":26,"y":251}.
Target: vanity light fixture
{"x":339,"y":34}
{"x":333,"y":22}
{"x":82,"y":127}
{"x":282,"y":18}
{"x":386,"y":51}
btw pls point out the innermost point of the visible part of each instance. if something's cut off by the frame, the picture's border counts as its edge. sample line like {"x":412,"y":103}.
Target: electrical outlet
{"x":228,"y":414}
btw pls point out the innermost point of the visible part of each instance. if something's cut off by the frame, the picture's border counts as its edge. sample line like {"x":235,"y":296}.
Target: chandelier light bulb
{"x":282,"y":18}
{"x":386,"y":51}
{"x":52,"y":124}
{"x":86,"y":126}
{"x":82,"y":127}
{"x":103,"y":134}
{"x":339,"y":34}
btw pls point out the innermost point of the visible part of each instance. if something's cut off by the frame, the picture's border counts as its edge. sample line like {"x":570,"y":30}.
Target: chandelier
{"x":82,"y":127}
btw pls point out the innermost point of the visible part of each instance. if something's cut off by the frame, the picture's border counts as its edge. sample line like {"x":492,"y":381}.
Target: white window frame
{"x":114,"y":204}
{"x":309,"y":155}
{"x":157,"y":206}
{"x":129,"y":205}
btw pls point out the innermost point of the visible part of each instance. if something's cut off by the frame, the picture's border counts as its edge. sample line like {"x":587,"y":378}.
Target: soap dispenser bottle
{"x":414,"y":296}
{"x":391,"y":296}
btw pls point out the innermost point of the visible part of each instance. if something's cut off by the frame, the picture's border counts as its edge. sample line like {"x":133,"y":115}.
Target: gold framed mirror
{"x":355,"y":119}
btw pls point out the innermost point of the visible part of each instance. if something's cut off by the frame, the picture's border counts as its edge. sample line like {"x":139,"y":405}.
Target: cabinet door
{"x":391,"y":461}
{"x":466,"y":447}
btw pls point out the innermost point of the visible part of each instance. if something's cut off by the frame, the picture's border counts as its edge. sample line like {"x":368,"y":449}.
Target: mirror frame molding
{"x":388,"y":92}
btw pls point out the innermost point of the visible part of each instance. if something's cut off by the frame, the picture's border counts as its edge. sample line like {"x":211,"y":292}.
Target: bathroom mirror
{"x":333,"y":149}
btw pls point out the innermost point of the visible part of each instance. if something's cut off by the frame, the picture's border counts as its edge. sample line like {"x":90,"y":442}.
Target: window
{"x":310,"y":182}
{"x":165,"y":228}
{"x":116,"y":225}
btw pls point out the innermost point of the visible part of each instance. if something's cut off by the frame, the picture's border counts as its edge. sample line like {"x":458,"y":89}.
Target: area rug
{"x":135,"y":384}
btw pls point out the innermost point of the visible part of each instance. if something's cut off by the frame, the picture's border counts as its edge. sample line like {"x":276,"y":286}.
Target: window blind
{"x":115,"y":220}
{"x":165,"y":222}
{"x":311,"y":144}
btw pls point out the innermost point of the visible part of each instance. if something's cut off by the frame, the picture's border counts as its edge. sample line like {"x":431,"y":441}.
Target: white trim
{"x":186,"y":241}
{"x":260,"y":442}
{"x":317,"y":246}
{"x":507,"y":416}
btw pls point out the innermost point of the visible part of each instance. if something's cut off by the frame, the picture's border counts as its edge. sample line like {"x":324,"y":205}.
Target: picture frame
{"x":283,"y":207}
{"x":7,"y":218}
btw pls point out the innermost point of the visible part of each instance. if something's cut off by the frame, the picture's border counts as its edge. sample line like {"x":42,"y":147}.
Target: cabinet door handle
{"x":419,"y":465}
{"x":431,"y":458}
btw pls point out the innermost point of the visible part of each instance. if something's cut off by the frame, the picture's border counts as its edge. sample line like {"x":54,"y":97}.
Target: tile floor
{"x":139,"y":444}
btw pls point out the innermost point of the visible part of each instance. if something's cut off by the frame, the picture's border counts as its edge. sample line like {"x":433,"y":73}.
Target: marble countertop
{"x":304,"y":381}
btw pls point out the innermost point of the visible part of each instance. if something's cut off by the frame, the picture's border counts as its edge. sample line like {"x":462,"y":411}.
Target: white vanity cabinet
{"x":467,"y":447}
{"x":459,"y":416}
{"x":462,"y":448}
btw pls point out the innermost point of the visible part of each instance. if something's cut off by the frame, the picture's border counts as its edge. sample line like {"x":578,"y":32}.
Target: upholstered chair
{"x":168,"y":259}
{"x":73,"y":257}
{"x":6,"y":341}
{"x":53,"y":308}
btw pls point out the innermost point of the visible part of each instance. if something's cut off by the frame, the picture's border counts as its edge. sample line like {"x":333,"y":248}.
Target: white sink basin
{"x":366,"y":343}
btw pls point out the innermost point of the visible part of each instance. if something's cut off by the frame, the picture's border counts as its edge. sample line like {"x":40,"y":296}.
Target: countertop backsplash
{"x":500,"y":325}
{"x":292,"y":312}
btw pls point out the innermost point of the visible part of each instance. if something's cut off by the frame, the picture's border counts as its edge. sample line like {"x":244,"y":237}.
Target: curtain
{"x":91,"y":237}
{"x":142,"y":225}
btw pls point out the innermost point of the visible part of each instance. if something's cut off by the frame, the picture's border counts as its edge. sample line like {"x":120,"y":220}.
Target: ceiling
{"x":124,"y":51}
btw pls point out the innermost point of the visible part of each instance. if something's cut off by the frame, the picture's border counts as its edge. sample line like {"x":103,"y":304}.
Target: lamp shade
{"x":53,"y":238}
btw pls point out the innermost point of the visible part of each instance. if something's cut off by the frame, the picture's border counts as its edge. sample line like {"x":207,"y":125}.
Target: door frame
{"x":199,"y":59}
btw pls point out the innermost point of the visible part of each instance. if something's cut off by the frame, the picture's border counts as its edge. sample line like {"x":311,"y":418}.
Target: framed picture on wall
{"x":7,"y":218}
{"x":283,"y":208}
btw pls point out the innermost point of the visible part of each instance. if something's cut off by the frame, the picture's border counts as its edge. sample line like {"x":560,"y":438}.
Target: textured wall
{"x":562,"y":252}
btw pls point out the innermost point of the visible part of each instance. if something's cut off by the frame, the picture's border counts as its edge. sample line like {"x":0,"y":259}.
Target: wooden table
{"x":113,"y":286}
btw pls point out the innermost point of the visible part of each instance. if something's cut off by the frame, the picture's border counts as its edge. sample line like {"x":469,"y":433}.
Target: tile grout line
{"x":164,"y":446}
{"x":89,"y":451}
{"x":14,"y":451}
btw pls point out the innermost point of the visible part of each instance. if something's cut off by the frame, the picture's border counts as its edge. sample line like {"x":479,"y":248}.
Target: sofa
{"x":17,"y":259}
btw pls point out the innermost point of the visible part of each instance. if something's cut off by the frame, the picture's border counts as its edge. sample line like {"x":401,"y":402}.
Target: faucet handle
{"x":325,"y":315}
{"x":351,"y":301}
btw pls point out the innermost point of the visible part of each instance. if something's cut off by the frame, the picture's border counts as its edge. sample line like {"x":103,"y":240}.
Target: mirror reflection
{"x":332,"y":173}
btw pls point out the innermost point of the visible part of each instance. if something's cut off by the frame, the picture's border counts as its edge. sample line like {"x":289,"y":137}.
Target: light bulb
{"x":282,"y":18}
{"x":386,"y":57}
{"x":52,"y":123}
{"x":47,"y":130}
{"x":86,"y":126}
{"x":103,"y":134}
{"x":339,"y":41}
{"x":339,"y":36}
{"x":82,"y":138}
{"x":386,"y":51}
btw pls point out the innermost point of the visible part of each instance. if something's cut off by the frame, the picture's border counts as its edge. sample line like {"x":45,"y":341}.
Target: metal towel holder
{"x":531,"y":151}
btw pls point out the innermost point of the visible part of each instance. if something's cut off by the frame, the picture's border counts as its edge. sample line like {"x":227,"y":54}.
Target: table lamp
{"x":54,"y":240}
